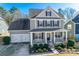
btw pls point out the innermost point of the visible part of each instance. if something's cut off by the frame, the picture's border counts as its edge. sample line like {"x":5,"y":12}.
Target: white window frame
{"x":69,"y":26}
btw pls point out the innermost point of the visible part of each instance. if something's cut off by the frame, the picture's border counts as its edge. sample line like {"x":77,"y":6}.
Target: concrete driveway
{"x":15,"y":50}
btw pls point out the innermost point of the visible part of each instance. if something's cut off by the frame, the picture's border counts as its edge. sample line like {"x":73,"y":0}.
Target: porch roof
{"x":47,"y":29}
{"x":44,"y":29}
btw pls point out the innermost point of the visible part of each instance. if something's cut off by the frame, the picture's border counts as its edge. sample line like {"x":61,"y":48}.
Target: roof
{"x":45,"y":29}
{"x":34,"y":12}
{"x":68,"y":21}
{"x":76,"y":19}
{"x":21,"y":24}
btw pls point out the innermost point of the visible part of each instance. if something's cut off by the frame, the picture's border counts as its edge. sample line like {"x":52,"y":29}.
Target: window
{"x":40,"y":23}
{"x":48,"y":23}
{"x":58,"y":34}
{"x":38,"y":35}
{"x":69,"y":26}
{"x":35,"y":36}
{"x":48,"y":13}
{"x":56,"y":23}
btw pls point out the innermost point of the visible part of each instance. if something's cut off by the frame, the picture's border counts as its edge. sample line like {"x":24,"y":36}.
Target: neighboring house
{"x":70,"y":26}
{"x":76,"y":21}
{"x":42,"y":26}
{"x":3,"y":29}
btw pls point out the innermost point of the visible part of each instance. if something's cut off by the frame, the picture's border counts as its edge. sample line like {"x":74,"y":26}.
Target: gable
{"x":69,"y":22}
{"x":76,"y":19}
{"x":54,"y":14}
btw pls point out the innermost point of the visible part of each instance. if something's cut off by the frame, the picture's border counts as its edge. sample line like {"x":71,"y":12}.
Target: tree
{"x":68,"y":13}
{"x":2,"y":11}
{"x":8,"y":17}
{"x":13,"y":9}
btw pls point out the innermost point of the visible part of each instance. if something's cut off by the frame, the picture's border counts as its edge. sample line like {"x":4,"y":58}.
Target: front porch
{"x":51,"y":38}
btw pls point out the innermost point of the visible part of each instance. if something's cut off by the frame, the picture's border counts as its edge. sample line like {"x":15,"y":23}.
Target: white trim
{"x":46,"y":37}
{"x":31,"y":39}
{"x":68,"y":21}
{"x":74,"y":29}
{"x":66,"y":36}
{"x":50,"y":31}
{"x":54,"y":37}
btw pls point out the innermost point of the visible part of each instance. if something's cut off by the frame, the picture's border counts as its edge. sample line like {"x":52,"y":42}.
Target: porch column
{"x":63,"y":35}
{"x":54,"y":37}
{"x":51,"y":37}
{"x":31,"y":39}
{"x":46,"y":37}
{"x":66,"y":36}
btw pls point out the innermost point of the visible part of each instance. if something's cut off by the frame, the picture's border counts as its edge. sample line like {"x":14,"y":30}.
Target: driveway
{"x":15,"y":50}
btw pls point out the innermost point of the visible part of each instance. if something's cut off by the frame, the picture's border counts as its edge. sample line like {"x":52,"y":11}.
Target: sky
{"x":24,"y":7}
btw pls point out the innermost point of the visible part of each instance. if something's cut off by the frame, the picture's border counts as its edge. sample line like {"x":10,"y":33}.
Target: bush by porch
{"x":40,"y":48}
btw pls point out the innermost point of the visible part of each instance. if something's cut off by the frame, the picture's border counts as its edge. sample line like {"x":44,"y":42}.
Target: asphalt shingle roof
{"x":21,"y":24}
{"x":34,"y":12}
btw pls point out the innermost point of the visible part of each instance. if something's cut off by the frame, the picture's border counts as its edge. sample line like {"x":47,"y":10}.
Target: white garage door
{"x":19,"y":38}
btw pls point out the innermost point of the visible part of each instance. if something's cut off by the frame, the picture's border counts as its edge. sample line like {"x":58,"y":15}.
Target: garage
{"x":17,"y":38}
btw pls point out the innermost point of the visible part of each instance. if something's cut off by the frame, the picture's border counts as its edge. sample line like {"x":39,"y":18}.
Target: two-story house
{"x":42,"y":26}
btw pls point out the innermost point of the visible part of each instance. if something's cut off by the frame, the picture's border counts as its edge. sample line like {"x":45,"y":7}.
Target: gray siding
{"x":32,"y":24}
{"x":62,"y":23}
{"x":70,"y":32}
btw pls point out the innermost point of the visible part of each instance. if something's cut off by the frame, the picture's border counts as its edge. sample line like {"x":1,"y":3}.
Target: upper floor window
{"x":48,"y":13}
{"x":56,"y":23}
{"x":48,"y":23}
{"x":69,"y":26}
{"x":40,"y":23}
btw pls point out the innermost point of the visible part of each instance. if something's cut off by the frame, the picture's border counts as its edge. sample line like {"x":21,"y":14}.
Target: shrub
{"x":40,"y":50}
{"x":6,"y":40}
{"x":45,"y":50}
{"x":35,"y":47}
{"x":46,"y":46}
{"x":59,"y":46}
{"x":41,"y":46}
{"x":70,"y":43}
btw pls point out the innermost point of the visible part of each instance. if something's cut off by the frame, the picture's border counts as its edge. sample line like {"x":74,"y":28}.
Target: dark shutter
{"x":42,"y":35}
{"x":43,"y":23}
{"x":33,"y":36}
{"x":53,"y":23}
{"x":38,"y":23}
{"x":50,"y":13}
{"x":46,"y":13}
{"x":57,"y":23}
{"x":50,"y":23}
